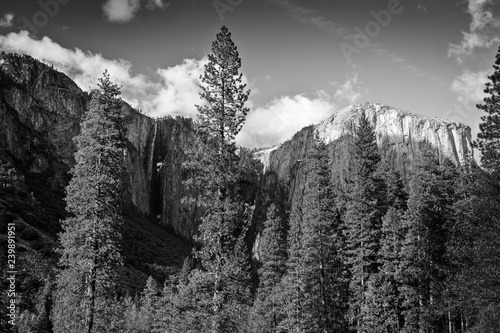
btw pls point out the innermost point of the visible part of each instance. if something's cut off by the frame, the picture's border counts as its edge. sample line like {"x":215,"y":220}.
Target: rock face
{"x":156,"y":174}
{"x":40,"y":113}
{"x":400,"y":136}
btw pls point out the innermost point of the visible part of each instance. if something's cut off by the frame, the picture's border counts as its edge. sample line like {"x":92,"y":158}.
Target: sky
{"x":301,"y":59}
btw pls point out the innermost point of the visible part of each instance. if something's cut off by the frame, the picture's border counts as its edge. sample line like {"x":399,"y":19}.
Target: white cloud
{"x":281,"y":118}
{"x":175,"y":94}
{"x":179,"y":90}
{"x":480,"y":16}
{"x":349,"y":91}
{"x":120,"y":10}
{"x":6,"y":20}
{"x":469,"y":88}
{"x":483,"y":30}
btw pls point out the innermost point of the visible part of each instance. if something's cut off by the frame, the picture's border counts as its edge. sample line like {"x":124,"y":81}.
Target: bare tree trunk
{"x":91,"y":287}
{"x":449,"y":322}
{"x":216,"y":305}
{"x":91,"y":306}
{"x":420,"y":320}
{"x":464,"y":321}
{"x":92,"y":278}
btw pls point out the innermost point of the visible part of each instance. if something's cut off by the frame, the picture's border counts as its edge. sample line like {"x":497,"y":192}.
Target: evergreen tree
{"x":315,"y":286}
{"x":425,"y":262}
{"x":489,"y":136}
{"x":293,"y":282}
{"x":151,"y":292}
{"x":135,"y":318}
{"x":167,"y":312}
{"x":362,"y":219}
{"x":91,"y":254}
{"x":214,"y":161}
{"x":475,"y":250}
{"x":44,"y":324}
{"x":383,"y":305}
{"x":384,"y":302}
{"x":187,"y":267}
{"x":477,"y":232}
{"x":397,"y":197}
{"x":273,"y":257}
{"x":215,"y":169}
{"x":324,"y":275}
{"x":225,"y":258}
{"x":476,"y":246}
{"x":461,"y":246}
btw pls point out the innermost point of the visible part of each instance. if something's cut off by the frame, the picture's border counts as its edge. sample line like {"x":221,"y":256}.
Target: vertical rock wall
{"x":400,"y":137}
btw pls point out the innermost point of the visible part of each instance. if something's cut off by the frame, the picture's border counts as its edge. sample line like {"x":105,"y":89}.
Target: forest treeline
{"x":365,"y":254}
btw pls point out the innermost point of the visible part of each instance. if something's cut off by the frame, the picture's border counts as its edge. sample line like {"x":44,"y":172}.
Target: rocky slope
{"x":400,"y":136}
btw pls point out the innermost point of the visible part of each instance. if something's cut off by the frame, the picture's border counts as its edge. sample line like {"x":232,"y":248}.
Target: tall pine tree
{"x":220,"y":119}
{"x":489,"y":136}
{"x":293,"y":282}
{"x":91,"y":253}
{"x":384,"y":301}
{"x":362,"y":219}
{"x":476,"y":245}
{"x":425,"y":261}
{"x":323,"y":271}
{"x":215,"y":167}
{"x":267,"y":307}
{"x":315,"y":285}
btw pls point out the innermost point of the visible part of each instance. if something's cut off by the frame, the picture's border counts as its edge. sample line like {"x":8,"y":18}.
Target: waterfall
{"x":152,"y":151}
{"x":150,"y":167}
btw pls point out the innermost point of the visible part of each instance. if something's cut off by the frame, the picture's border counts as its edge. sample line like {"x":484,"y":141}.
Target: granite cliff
{"x":401,"y":135}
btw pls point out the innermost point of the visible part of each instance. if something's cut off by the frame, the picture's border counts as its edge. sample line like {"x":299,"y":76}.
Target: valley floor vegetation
{"x":362,"y":253}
